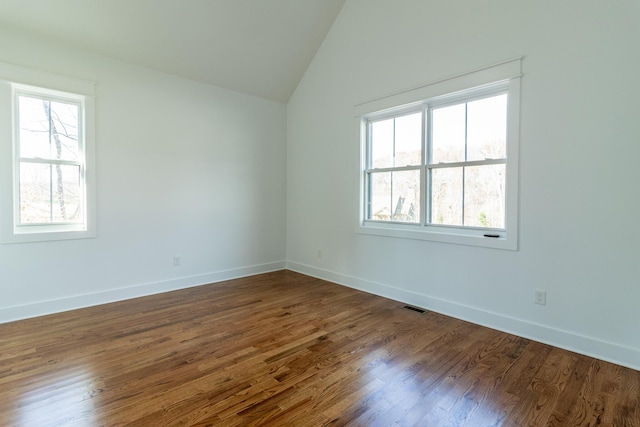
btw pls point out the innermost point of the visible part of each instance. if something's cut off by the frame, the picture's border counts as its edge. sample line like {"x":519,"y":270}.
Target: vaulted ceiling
{"x":259,"y":47}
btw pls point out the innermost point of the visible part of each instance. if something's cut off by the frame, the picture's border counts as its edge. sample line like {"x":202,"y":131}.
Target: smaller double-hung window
{"x":49,"y":161}
{"x":46,"y":141}
{"x":444,"y":168}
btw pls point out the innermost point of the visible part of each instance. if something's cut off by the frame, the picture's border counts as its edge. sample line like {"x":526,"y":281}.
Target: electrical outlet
{"x":541,"y":297}
{"x":319,"y":253}
{"x":177,"y":260}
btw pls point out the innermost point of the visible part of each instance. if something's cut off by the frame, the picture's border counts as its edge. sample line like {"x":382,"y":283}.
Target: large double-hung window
{"x":444,"y":168}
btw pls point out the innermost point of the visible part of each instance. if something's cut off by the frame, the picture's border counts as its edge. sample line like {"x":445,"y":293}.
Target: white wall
{"x":182,"y":168}
{"x":579,"y":200}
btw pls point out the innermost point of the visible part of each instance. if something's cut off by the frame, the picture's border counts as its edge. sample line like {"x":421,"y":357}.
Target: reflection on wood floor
{"x":283,"y":349}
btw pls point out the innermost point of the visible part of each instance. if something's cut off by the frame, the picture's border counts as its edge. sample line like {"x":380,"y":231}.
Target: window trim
{"x":16,"y":80}
{"x":503,"y":77}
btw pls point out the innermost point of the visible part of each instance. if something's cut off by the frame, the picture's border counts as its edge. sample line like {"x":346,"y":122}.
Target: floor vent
{"x":416,"y":309}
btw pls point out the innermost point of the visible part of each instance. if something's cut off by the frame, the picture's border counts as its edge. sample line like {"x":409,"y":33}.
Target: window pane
{"x":382,"y":144}
{"x":43,"y":138}
{"x":448,"y":137}
{"x":406,"y":196}
{"x":484,"y":196}
{"x":487,"y":128}
{"x":34,"y":127}
{"x":49,"y":193}
{"x":408,"y":143}
{"x":64,"y":127}
{"x":380,"y":196}
{"x":35,"y":193}
{"x":66,"y":193}
{"x":446,"y":196}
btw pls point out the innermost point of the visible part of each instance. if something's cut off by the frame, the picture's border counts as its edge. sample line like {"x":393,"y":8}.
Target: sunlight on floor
{"x":62,"y":398}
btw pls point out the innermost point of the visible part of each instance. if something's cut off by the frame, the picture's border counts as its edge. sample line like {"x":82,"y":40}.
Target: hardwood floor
{"x":283,"y":349}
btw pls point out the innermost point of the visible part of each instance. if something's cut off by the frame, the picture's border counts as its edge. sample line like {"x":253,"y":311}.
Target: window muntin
{"x":50,"y":166}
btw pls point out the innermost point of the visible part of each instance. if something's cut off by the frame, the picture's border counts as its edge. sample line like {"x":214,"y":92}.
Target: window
{"x":49,"y":161}
{"x":48,"y":176}
{"x":444,"y":168}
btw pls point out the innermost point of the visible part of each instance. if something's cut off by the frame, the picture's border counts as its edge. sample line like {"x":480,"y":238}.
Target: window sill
{"x":51,"y":236}
{"x":440,"y":234}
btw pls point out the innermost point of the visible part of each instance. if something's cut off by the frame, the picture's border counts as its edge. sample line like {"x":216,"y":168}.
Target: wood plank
{"x":290,"y":350}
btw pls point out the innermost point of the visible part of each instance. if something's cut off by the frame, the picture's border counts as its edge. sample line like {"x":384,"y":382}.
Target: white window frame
{"x":16,"y":81}
{"x":488,"y":81}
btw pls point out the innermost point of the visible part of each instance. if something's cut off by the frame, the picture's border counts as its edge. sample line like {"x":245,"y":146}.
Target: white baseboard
{"x":41,"y":308}
{"x":589,"y":346}
{"x":611,"y":352}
